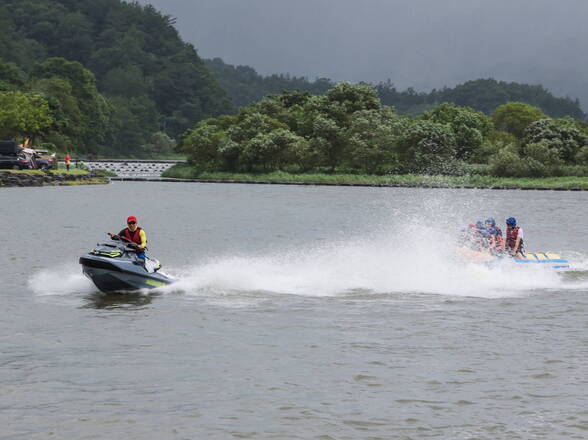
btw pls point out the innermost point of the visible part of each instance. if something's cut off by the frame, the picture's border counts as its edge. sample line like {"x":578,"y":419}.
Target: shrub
{"x":507,"y":163}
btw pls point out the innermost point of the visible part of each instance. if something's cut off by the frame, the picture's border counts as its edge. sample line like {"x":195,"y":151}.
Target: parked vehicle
{"x":13,"y":156}
{"x":43,"y":159}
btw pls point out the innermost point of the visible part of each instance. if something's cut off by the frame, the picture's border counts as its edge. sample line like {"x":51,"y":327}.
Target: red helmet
{"x":132,"y":218}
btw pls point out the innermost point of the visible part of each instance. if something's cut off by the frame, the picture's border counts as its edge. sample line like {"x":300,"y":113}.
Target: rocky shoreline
{"x":20,"y":179}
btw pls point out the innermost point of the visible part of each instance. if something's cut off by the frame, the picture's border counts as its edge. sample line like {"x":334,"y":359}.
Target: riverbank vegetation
{"x":348,"y":130}
{"x":408,"y":180}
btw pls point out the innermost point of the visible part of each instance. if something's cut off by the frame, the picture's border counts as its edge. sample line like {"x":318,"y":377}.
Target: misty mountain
{"x":422,"y":44}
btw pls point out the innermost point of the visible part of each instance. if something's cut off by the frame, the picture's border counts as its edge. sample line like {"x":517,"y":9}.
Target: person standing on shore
{"x":67,"y":161}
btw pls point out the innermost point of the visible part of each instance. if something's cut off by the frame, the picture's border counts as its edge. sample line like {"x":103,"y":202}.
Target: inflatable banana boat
{"x":544,"y":259}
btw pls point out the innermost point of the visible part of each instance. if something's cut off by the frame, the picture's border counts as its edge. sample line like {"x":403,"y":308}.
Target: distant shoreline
{"x":352,"y":184}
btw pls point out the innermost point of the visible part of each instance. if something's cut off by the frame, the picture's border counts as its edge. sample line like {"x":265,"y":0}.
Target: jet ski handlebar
{"x":128,"y":242}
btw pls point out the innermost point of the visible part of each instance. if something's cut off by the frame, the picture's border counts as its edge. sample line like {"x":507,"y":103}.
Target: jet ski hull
{"x":110,"y":275}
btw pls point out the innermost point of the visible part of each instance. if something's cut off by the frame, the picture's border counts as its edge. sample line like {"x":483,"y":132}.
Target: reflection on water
{"x":118,"y":301}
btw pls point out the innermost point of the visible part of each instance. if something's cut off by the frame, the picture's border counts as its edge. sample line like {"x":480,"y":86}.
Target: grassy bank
{"x":471,"y":181}
{"x":76,"y":172}
{"x":52,"y":177}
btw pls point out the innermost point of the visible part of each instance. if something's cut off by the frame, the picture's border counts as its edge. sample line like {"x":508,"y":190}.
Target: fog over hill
{"x":416,"y":43}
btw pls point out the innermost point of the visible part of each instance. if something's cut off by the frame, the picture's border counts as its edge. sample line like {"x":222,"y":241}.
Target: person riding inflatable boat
{"x":490,"y":248}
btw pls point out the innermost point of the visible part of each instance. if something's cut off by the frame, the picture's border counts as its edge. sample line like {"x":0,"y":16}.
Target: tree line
{"x":349,"y":130}
{"x":245,"y":86}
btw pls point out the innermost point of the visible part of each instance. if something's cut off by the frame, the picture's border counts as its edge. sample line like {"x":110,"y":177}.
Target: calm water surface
{"x":300,"y":313}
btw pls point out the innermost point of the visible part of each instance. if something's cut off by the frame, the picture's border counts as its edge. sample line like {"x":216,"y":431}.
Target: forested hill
{"x":152,"y":79}
{"x":245,"y":86}
{"x":484,"y":95}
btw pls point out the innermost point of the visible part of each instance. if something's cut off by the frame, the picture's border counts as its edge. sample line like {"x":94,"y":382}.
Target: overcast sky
{"x":418,"y":43}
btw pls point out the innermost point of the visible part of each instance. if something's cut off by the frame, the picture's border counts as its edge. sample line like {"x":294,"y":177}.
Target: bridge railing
{"x":130,"y":168}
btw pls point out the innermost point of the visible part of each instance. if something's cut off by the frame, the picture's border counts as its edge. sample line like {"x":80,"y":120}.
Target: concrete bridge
{"x":131,"y":168}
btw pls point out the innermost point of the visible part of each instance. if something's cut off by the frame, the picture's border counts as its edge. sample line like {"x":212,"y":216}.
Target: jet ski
{"x":548,"y":260}
{"x":114,"y":267}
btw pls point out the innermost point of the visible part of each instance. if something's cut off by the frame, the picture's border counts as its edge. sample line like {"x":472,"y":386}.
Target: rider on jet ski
{"x":134,"y":234}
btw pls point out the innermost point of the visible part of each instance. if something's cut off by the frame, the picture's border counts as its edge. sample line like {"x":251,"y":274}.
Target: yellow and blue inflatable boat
{"x":549,"y":259}
{"x":545,"y":259}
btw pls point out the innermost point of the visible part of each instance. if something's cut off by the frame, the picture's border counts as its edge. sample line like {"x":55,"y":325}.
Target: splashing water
{"x":61,"y":281}
{"x":424,"y":265}
{"x":410,"y":260}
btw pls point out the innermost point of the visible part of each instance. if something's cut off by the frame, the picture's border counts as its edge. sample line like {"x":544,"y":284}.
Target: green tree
{"x":273,"y":150}
{"x":204,"y":143}
{"x":354,"y":97}
{"x":470,"y":127}
{"x":372,"y":138}
{"x":515,"y":117}
{"x":327,"y":139}
{"x":428,"y":147}
{"x":66,"y":132}
{"x":560,"y":135}
{"x":11,"y":77}
{"x":582,"y":156}
{"x":93,"y":107}
{"x":23,"y":115}
{"x":133,"y":122}
{"x":160,"y":143}
{"x":127,"y":82}
{"x":542,"y":159}
{"x":250,"y":124}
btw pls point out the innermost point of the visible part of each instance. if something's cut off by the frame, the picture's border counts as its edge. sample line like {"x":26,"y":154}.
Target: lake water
{"x":300,"y":313}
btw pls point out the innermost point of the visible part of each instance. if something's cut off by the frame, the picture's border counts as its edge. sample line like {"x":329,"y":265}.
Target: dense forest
{"x":349,"y":130}
{"x":484,"y":95}
{"x":245,"y":86}
{"x":151,"y":84}
{"x":113,"y":78}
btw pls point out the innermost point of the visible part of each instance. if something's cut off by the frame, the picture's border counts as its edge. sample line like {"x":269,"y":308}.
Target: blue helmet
{"x":511,"y":221}
{"x":479,"y":224}
{"x":491,"y":221}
